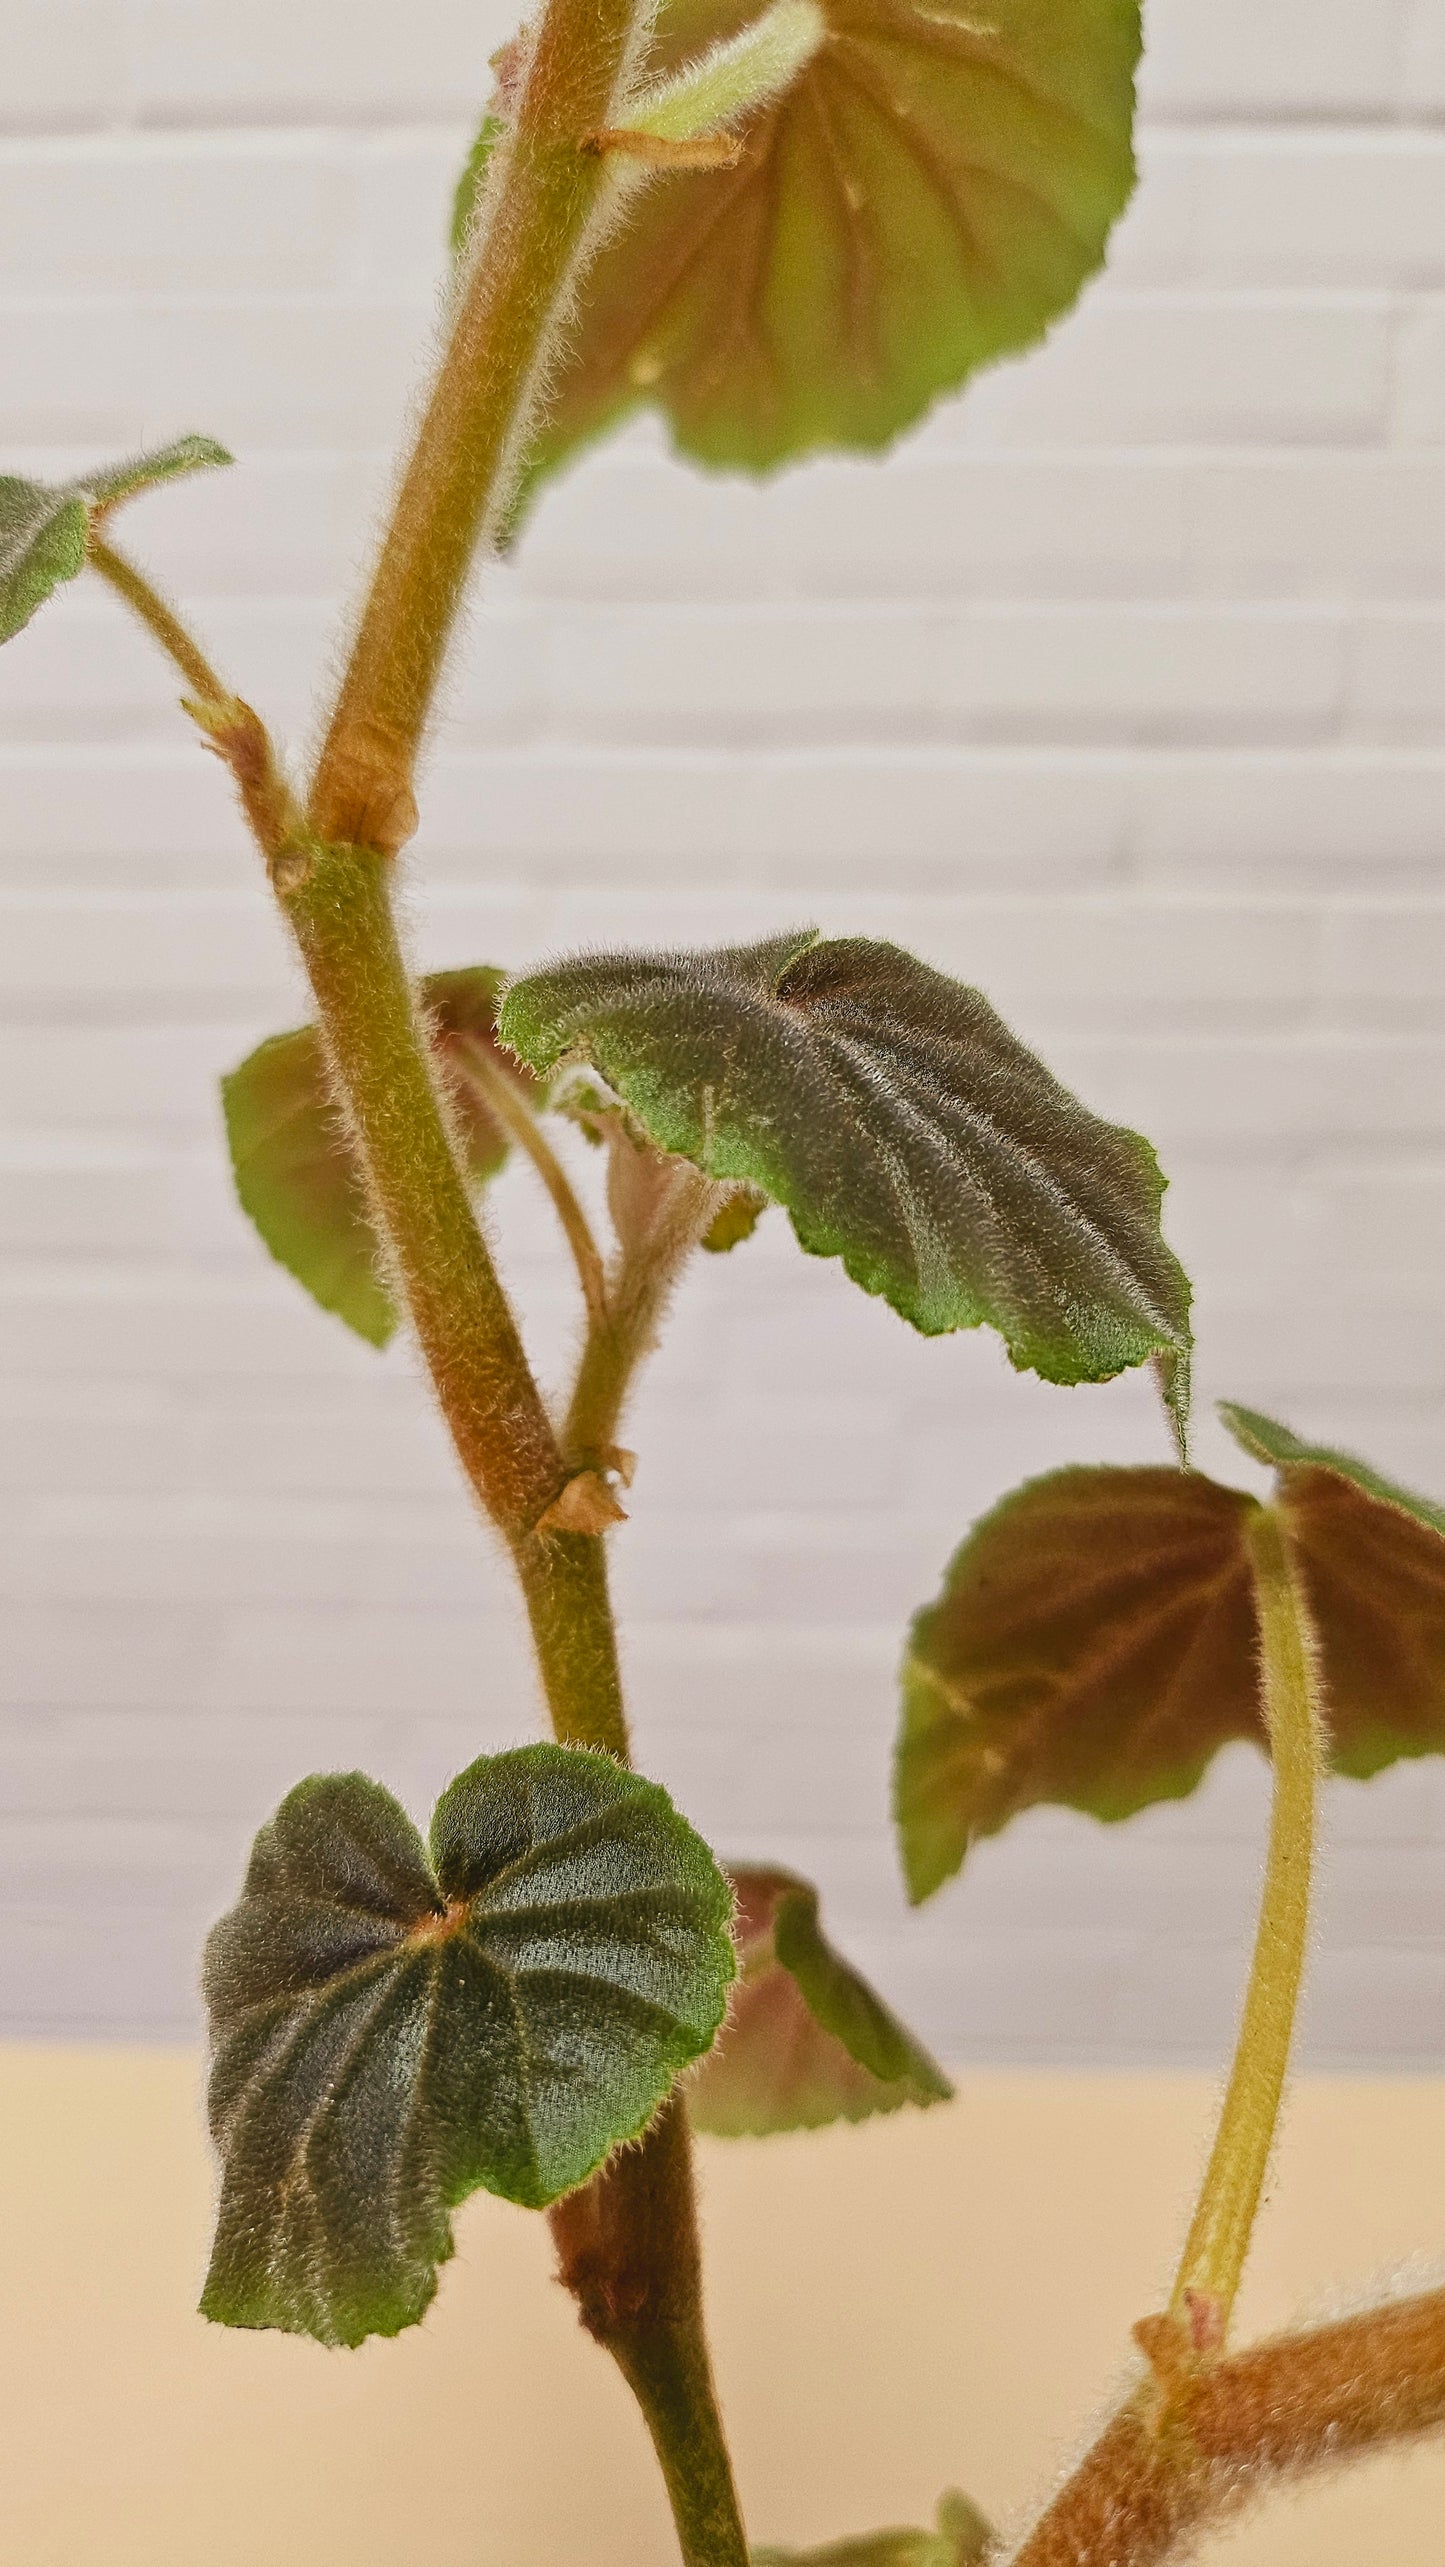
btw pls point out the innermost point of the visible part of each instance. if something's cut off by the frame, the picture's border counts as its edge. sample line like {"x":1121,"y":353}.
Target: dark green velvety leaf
{"x":394,"y":2028}
{"x":1093,"y":1646}
{"x":296,"y":1173}
{"x":44,"y":527}
{"x":962,"y":2539}
{"x":806,"y":2041}
{"x":928,"y":195}
{"x":1373,"y":1559}
{"x":42,"y":544}
{"x":903,"y":1126}
{"x":1096,"y":1643}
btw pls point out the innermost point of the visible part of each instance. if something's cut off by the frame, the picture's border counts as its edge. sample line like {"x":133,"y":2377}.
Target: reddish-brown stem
{"x":1191,"y":2450}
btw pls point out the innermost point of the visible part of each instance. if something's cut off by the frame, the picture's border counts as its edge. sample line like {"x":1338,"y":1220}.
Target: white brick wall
{"x":1119,"y":690}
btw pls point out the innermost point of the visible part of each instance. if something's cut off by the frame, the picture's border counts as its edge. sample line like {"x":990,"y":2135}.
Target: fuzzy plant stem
{"x":1272,"y":2413}
{"x":543,"y":212}
{"x":160,"y":620}
{"x":627,"y":2249}
{"x":1223,"y":2223}
{"x":337,"y":901}
{"x":331,"y":872}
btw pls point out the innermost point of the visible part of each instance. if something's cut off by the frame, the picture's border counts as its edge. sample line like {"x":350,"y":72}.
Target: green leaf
{"x":394,"y":2028}
{"x":42,"y":544}
{"x":114,"y":482}
{"x":903,"y":1126}
{"x":1096,"y":1641}
{"x":45,"y":527}
{"x":1373,"y":1560}
{"x":806,"y":2040}
{"x":928,"y":195}
{"x":962,"y":2539}
{"x":296,"y":1172}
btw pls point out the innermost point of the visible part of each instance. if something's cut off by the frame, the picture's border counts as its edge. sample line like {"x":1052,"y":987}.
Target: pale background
{"x":1118,"y":689}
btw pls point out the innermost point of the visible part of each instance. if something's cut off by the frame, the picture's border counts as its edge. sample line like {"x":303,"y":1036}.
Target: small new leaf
{"x":962,"y":2539}
{"x":806,"y":2040}
{"x":903,"y":1126}
{"x":927,"y":195}
{"x":296,"y":1171}
{"x":45,"y":527}
{"x":1096,"y":1641}
{"x":394,"y":2027}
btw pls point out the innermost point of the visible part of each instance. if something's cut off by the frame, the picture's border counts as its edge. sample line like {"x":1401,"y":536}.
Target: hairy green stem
{"x":519,"y":1123}
{"x":160,"y":620}
{"x":543,"y":212}
{"x":1223,"y":2223}
{"x":337,"y":900}
{"x":627,"y":2250}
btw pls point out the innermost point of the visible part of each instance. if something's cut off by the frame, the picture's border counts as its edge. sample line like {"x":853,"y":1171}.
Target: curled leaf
{"x":1096,"y":1641}
{"x":45,"y":526}
{"x":806,"y":2041}
{"x":903,"y":1126}
{"x":928,"y":194}
{"x":295,"y":1169}
{"x":394,"y":2027}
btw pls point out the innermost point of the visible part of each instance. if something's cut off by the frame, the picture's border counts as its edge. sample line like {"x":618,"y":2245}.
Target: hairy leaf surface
{"x":1096,"y":1641}
{"x":962,"y":2539}
{"x":45,"y":526}
{"x":394,"y":2028}
{"x":296,"y":1171}
{"x":929,"y":194}
{"x":1373,"y":1557}
{"x":903,"y":1126}
{"x":806,"y":2040}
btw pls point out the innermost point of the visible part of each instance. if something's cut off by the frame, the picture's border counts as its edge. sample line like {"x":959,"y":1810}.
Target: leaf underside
{"x":393,"y":2028}
{"x":903,"y":1126}
{"x":295,"y":1169}
{"x":45,"y":527}
{"x":1096,"y":1642}
{"x":928,"y":195}
{"x":806,"y":2041}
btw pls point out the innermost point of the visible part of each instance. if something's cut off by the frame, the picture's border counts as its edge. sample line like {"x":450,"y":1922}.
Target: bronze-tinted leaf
{"x":1373,"y":1558}
{"x":927,"y":195}
{"x":806,"y":2040}
{"x":907,"y":1131}
{"x":1095,"y":1643}
{"x":295,"y":1171}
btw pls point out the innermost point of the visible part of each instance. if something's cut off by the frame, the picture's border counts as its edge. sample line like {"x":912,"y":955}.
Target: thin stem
{"x":338,"y":904}
{"x":1274,"y":2412}
{"x":511,"y":1111}
{"x":541,"y":218}
{"x":660,"y":1208}
{"x":1219,"y":2235}
{"x":160,"y":619}
{"x":628,"y":2251}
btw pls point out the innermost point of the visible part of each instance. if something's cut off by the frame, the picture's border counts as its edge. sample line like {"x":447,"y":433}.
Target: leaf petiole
{"x":499,"y":1094}
{"x":1219,"y":2234}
